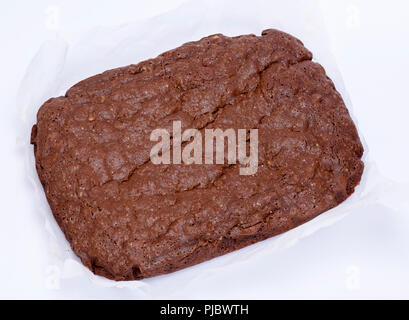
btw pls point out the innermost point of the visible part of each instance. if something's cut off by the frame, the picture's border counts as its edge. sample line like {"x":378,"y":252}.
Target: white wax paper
{"x":59,"y":65}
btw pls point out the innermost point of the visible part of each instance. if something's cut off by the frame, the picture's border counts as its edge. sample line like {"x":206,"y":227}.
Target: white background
{"x":365,"y":255}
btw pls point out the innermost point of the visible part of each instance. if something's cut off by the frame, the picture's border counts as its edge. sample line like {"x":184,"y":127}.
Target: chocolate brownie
{"x":128,"y":218}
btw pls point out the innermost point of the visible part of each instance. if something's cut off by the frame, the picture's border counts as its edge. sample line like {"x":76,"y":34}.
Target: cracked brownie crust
{"x":127,"y":218}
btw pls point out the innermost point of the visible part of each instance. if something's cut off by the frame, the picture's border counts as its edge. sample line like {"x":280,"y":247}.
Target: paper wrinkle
{"x":57,"y":66}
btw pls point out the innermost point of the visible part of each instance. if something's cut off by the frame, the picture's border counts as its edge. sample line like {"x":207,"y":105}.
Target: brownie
{"x":128,"y":218}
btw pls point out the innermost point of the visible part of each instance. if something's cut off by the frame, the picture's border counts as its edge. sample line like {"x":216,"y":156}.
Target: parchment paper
{"x":58,"y":65}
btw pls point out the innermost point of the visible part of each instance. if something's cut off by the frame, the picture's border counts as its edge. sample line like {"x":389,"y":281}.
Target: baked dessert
{"x":128,"y":218}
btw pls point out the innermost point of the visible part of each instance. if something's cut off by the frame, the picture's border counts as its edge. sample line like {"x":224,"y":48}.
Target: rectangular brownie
{"x":128,"y":218}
